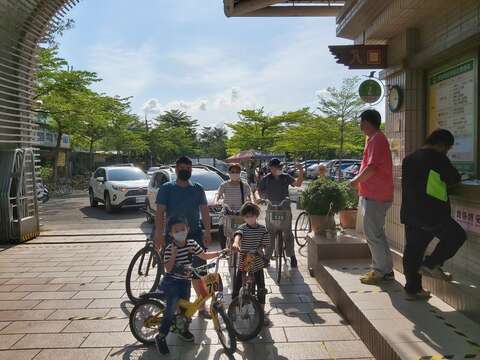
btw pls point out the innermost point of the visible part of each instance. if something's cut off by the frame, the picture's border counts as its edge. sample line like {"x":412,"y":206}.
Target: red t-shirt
{"x":379,"y":187}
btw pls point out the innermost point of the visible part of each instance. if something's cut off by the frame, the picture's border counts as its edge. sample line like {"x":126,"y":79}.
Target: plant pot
{"x":320,"y":223}
{"x":348,"y":218}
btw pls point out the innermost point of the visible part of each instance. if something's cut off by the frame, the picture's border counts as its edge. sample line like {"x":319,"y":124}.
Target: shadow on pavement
{"x":120,"y":214}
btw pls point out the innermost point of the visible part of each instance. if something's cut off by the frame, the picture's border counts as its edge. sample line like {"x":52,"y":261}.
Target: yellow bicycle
{"x":147,"y":315}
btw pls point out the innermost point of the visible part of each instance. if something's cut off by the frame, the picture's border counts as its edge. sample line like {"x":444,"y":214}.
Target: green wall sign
{"x":370,"y":91}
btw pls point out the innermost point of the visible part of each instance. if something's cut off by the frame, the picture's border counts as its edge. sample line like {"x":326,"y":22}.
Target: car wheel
{"x":109,"y":208}
{"x":93,"y":202}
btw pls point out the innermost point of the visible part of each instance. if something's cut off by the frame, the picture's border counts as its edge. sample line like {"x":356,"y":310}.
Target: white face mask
{"x":180,"y":238}
{"x":234,"y":177}
{"x":251,"y":220}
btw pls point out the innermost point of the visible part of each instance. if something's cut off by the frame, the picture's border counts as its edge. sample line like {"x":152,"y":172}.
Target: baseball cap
{"x":275,"y":162}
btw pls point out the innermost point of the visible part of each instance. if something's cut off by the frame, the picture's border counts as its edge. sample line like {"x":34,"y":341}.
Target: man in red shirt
{"x":375,"y":187}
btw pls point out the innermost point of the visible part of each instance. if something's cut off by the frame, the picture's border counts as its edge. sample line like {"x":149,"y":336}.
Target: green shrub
{"x":323,"y":197}
{"x":350,"y":196}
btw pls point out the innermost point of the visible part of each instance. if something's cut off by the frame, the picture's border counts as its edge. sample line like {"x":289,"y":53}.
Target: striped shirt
{"x":184,"y":257}
{"x":252,"y":239}
{"x":232,"y":195}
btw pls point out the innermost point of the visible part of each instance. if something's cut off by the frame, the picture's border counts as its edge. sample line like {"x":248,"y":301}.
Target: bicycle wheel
{"x":279,"y":255}
{"x":145,"y":319}
{"x":223,"y":327}
{"x":246,"y":316}
{"x":302,"y":228}
{"x":143,"y":274}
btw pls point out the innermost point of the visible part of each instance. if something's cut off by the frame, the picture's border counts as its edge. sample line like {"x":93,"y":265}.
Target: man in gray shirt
{"x":274,"y":187}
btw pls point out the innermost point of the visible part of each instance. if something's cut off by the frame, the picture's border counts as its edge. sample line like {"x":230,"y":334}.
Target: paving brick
{"x":13,"y":295}
{"x":6,"y":341}
{"x":90,"y":268}
{"x":108,"y":279}
{"x":295,"y":289}
{"x":63,"y":304}
{"x":84,"y":286}
{"x":18,"y":315}
{"x":46,"y":341}
{"x":348,"y":349}
{"x":67,"y":314}
{"x":102,"y":273}
{"x":43,"y":287}
{"x":115,"y":339}
{"x":294,"y":320}
{"x":73,"y":354}
{"x":318,"y":333}
{"x":34,"y":327}
{"x":18,"y":354}
{"x":96,"y":325}
{"x":108,"y":303}
{"x":50,"y":295}
{"x":105,"y":294}
{"x":7,"y":288}
{"x":71,"y":280}
{"x":297,"y":351}
{"x":28,"y":281}
{"x":327,"y":319}
{"x":18,"y":305}
{"x":61,"y":274}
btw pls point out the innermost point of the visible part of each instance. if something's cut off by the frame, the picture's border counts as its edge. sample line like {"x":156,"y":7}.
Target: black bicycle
{"x":302,"y":228}
{"x":245,"y":312}
{"x":144,"y":272}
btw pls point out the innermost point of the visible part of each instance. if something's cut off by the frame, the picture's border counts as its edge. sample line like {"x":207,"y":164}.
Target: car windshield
{"x":208,"y":179}
{"x":126,"y":174}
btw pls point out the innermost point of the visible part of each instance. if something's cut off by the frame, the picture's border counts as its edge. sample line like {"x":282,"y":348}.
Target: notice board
{"x":452,"y":102}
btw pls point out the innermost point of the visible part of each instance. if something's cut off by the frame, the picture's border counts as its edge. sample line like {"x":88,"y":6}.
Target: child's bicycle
{"x":245,"y":312}
{"x":231,"y":222}
{"x":146,"y":316}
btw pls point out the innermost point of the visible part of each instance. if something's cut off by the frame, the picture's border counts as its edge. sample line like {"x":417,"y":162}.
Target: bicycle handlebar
{"x":276,"y":207}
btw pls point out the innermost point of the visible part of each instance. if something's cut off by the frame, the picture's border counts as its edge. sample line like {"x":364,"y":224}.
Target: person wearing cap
{"x":275,"y":187}
{"x":234,"y":192}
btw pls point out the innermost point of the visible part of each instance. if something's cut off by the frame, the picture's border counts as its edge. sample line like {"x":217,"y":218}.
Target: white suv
{"x":118,"y":186}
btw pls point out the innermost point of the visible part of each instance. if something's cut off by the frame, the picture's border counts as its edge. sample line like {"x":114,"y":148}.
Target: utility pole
{"x":148,"y":154}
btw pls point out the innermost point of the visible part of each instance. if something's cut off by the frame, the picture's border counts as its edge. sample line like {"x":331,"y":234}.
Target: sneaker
{"x":186,"y":336}
{"x":293,"y":262}
{"x":204,"y":313}
{"x":421,"y":295}
{"x":266,"y":321}
{"x":161,"y":344}
{"x":388,"y":277}
{"x":371,"y":278}
{"x":436,"y":273}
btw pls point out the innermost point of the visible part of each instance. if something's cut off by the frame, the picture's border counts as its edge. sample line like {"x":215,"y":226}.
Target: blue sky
{"x":186,"y":54}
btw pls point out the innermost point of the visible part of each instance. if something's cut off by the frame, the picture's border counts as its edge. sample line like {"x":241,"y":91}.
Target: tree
{"x":175,"y":134}
{"x":343,"y":106}
{"x":59,"y":92}
{"x":255,"y":130}
{"x":213,"y":142}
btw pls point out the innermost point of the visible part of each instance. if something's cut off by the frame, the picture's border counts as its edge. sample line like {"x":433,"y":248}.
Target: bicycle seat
{"x":156,"y":295}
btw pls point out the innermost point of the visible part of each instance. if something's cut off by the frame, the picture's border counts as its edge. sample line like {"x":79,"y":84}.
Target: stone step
{"x":391,"y":326}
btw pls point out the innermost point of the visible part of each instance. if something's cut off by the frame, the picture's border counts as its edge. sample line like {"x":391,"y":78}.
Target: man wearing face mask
{"x":275,"y":187}
{"x":427,"y":175}
{"x":182,"y":198}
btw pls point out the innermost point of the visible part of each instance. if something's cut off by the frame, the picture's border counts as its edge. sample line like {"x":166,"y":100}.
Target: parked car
{"x":313,"y":170}
{"x":332,"y":166}
{"x":152,"y":170}
{"x":118,"y":186}
{"x":351,"y":171}
{"x":209,"y":180}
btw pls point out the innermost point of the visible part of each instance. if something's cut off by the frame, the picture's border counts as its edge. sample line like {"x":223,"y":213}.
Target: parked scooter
{"x":42,"y":192}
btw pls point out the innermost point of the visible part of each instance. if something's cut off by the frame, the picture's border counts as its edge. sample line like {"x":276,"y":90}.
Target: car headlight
{"x":119,"y":188}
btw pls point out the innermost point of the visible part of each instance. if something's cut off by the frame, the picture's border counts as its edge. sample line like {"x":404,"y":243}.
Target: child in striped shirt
{"x":177,"y":282}
{"x":252,"y":237}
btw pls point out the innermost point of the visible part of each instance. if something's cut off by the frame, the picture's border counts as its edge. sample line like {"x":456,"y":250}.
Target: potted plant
{"x":322,"y":199}
{"x":348,"y":214}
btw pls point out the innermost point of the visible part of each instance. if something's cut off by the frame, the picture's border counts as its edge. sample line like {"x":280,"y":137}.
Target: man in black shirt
{"x":427,"y":174}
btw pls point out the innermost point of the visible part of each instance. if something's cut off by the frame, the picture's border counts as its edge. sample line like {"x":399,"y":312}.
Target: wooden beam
{"x":247,"y":6}
{"x":284,"y":11}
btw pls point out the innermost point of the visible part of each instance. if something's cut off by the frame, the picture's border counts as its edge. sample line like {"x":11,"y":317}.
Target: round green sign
{"x":370,"y":91}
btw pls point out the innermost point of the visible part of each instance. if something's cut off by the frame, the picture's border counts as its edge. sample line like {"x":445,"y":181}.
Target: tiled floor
{"x":42,"y":286}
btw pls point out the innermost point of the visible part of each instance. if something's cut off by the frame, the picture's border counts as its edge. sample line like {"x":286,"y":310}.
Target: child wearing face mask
{"x":177,"y":282}
{"x":252,"y":237}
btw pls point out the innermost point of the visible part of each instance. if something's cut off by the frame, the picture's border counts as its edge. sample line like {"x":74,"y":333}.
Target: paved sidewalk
{"x":42,"y":286}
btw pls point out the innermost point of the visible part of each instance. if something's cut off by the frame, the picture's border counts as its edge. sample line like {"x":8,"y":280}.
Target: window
{"x":126,"y":174}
